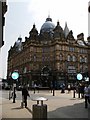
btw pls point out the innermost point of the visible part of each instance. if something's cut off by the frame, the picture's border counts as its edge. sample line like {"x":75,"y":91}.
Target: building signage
{"x":71,"y":69}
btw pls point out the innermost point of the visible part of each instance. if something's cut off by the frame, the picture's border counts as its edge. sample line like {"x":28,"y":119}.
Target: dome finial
{"x":49,"y":19}
{"x":19,"y":38}
{"x":58,"y":22}
{"x":48,"y":14}
{"x":34,"y":25}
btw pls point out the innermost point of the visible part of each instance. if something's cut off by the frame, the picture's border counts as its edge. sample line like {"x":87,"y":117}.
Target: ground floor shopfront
{"x":45,"y":77}
{"x":51,"y":79}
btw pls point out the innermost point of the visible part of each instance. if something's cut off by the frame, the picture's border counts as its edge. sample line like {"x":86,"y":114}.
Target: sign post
{"x":15,"y":76}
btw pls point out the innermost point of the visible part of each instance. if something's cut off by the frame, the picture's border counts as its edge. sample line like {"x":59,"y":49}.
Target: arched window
{"x":69,"y":58}
{"x":85,"y":59}
{"x":34,"y":58}
{"x":81,"y":59}
{"x":74,"y":58}
{"x":61,"y":57}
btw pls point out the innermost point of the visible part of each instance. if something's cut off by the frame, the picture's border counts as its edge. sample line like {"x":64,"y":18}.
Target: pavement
{"x":62,"y":105}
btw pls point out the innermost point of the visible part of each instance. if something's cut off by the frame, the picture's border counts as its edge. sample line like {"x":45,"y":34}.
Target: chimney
{"x":80,"y":36}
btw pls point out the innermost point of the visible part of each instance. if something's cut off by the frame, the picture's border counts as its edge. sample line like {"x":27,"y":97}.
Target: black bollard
{"x":34,"y":90}
{"x":9,"y":95}
{"x":78,"y":94}
{"x":73,"y":93}
{"x":53,"y":92}
{"x":14,"y":95}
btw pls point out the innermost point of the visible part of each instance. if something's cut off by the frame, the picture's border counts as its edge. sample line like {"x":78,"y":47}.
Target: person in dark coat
{"x":82,"y":90}
{"x":25,"y":94}
{"x":87,"y":95}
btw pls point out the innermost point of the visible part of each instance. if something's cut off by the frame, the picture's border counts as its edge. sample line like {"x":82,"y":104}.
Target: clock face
{"x":89,"y":9}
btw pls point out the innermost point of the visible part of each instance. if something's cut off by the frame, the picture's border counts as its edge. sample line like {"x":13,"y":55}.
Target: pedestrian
{"x":24,"y":95}
{"x":82,"y":90}
{"x":69,"y":88}
{"x":63,"y":88}
{"x":87,"y":95}
{"x":79,"y":90}
{"x":35,"y":86}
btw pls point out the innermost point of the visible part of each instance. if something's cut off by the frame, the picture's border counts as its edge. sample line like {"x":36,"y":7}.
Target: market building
{"x":53,"y":55}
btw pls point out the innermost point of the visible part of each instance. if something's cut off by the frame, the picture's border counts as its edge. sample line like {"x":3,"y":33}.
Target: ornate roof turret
{"x":33,"y":33}
{"x":58,"y":31}
{"x":70,"y":35}
{"x":66,"y":30}
{"x":18,"y":44}
{"x":58,"y":27}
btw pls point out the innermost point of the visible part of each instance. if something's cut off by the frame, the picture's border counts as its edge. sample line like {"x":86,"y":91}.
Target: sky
{"x":22,"y":14}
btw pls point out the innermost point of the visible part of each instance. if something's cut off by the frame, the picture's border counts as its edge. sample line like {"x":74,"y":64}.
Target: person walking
{"x":79,"y":90}
{"x":35,"y":86}
{"x":82,"y":90}
{"x":87,"y":95}
{"x":63,"y":88}
{"x":69,"y":88}
{"x":24,"y":95}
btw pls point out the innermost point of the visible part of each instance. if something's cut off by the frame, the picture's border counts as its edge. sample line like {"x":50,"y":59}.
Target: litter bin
{"x":39,"y":110}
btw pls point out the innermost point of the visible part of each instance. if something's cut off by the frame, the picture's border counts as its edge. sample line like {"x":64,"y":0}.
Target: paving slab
{"x":58,"y":106}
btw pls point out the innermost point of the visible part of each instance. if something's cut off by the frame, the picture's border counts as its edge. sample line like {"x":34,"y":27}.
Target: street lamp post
{"x":9,"y":85}
{"x":10,"y":88}
{"x":79,"y":77}
{"x":74,"y":91}
{"x":14,"y":94}
{"x":53,"y":88}
{"x":14,"y":76}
